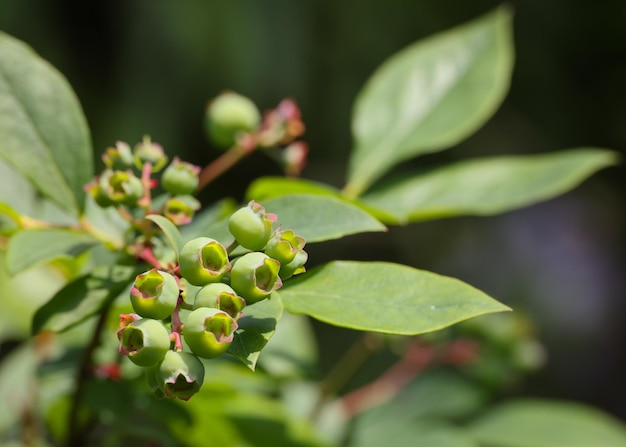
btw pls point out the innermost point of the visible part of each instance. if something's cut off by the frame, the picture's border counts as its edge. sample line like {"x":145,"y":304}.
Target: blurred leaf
{"x":43,"y":132}
{"x":29,"y":248}
{"x":256,"y":327}
{"x":169,"y":229}
{"x":320,"y":218}
{"x":17,"y":376}
{"x":9,"y":219}
{"x":544,"y":423}
{"x":431,"y":96}
{"x":83,"y":298}
{"x":488,"y":185}
{"x":292,"y":351}
{"x":430,"y":433}
{"x":384,"y":297}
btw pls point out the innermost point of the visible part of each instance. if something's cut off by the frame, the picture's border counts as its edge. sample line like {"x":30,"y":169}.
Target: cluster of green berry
{"x":128,"y":179}
{"x":221,"y":283}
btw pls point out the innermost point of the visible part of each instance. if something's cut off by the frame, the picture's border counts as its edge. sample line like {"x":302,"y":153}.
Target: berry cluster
{"x":221,"y":283}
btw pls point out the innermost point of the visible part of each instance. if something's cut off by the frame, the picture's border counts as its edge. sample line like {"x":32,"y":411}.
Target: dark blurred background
{"x":150,"y":66}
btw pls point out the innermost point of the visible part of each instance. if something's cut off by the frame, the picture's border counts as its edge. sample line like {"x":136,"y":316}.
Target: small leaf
{"x":384,"y":297}
{"x":169,"y":229}
{"x":488,"y":186}
{"x":544,"y":423}
{"x":43,"y":132}
{"x":256,"y":327}
{"x":431,"y":96}
{"x":29,"y":248}
{"x":83,"y":298}
{"x":269,"y":187}
{"x":320,"y":218}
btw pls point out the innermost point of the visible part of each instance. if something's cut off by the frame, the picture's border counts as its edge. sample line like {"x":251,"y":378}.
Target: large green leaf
{"x":543,"y":423}
{"x":35,"y":247}
{"x":256,"y":327}
{"x":320,"y":218}
{"x":430,"y":96}
{"x":83,"y":298}
{"x":384,"y":297}
{"x":487,"y":185}
{"x":43,"y":132}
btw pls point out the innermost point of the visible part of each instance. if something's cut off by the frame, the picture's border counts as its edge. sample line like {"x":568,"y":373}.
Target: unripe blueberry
{"x":255,"y":276}
{"x":228,"y":115}
{"x":284,"y":245}
{"x":155,"y":383}
{"x":120,"y":187}
{"x":220,"y":296}
{"x":144,"y":341}
{"x":251,"y":226}
{"x":99,"y":194}
{"x":209,"y":332}
{"x":295,"y":267}
{"x":149,"y":152}
{"x":118,"y":158}
{"x":154,"y":294}
{"x":181,"y":209}
{"x":203,"y":260}
{"x":181,"y":374}
{"x":180,"y":178}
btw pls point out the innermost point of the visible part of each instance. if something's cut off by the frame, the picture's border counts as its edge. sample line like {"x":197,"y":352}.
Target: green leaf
{"x":430,"y":96}
{"x":544,"y":423}
{"x":256,"y":327}
{"x":384,"y":297}
{"x":29,"y":248}
{"x":488,"y":186}
{"x":10,"y":219}
{"x":320,"y":218}
{"x":83,"y":298}
{"x":43,"y":132}
{"x":169,"y":229}
{"x":205,"y":220}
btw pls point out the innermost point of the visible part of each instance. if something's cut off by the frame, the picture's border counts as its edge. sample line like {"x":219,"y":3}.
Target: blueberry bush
{"x":134,"y":314}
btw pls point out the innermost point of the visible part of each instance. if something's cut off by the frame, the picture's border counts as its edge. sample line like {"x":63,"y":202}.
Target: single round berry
{"x":180,"y":178}
{"x":181,"y":374}
{"x":284,"y":245}
{"x":295,"y":267}
{"x":144,"y":341}
{"x":228,"y":115}
{"x":209,"y":332}
{"x":203,"y":260}
{"x":220,"y":296}
{"x":251,"y":226}
{"x":154,"y":294}
{"x":254,"y":276}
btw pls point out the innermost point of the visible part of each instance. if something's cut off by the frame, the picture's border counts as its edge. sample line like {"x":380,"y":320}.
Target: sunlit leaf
{"x":43,"y":132}
{"x":430,"y":96}
{"x":487,"y":186}
{"x":384,"y":297}
{"x":169,"y":229}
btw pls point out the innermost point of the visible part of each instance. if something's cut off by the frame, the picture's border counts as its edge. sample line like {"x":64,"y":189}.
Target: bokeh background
{"x":150,"y":66}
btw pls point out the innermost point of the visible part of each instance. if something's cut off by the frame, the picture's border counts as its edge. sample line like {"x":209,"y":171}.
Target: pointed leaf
{"x":29,"y":248}
{"x":83,"y":298}
{"x":43,"y":132}
{"x":430,"y":96}
{"x":488,"y":185}
{"x":256,"y":327}
{"x":544,"y":423}
{"x":169,"y":229}
{"x":384,"y":297}
{"x":320,"y":218}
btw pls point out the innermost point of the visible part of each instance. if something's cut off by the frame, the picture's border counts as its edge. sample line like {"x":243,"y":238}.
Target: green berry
{"x":154,"y":294}
{"x":149,"y":152}
{"x":284,"y":245}
{"x":181,"y":375}
{"x":118,"y":158}
{"x":209,"y":332}
{"x":220,"y":296}
{"x":254,"y":276}
{"x":203,"y":260}
{"x":181,"y":209}
{"x":144,"y":341}
{"x":119,"y":187}
{"x":295,"y":267}
{"x":228,"y":115}
{"x":251,"y":226}
{"x":180,"y":178}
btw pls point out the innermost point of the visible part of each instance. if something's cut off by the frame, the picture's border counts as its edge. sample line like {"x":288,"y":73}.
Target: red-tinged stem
{"x":227,"y":160}
{"x":177,"y":325}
